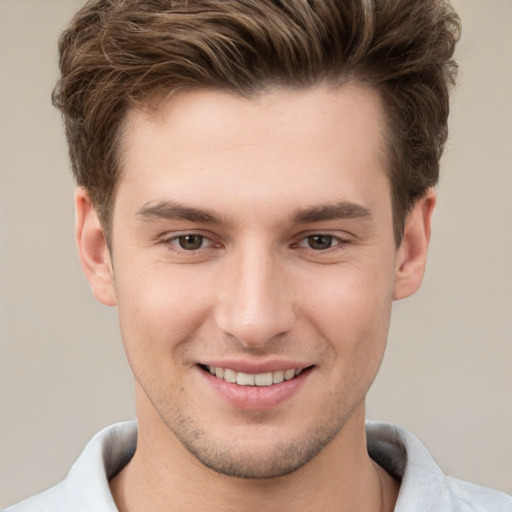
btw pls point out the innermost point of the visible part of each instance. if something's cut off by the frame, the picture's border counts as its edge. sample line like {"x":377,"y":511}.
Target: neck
{"x":163,"y":475}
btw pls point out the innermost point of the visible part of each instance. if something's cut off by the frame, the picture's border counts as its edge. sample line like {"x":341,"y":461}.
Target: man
{"x":255,"y":188}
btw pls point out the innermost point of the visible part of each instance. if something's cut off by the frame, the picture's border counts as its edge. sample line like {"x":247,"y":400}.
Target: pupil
{"x":190,"y":242}
{"x":320,"y":241}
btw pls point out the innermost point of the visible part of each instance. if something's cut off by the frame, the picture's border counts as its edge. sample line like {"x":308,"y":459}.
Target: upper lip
{"x":255,"y":367}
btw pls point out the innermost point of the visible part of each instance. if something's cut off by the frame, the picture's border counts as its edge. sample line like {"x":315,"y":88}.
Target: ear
{"x":93,"y":250}
{"x":411,"y":257}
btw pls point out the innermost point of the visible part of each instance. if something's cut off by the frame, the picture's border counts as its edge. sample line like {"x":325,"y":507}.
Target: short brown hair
{"x":117,"y":53}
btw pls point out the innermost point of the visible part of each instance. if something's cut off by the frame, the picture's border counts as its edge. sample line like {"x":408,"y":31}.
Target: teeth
{"x":229,"y":375}
{"x":263,"y":379}
{"x":278,"y":376}
{"x":289,"y":374}
{"x":245,"y":379}
{"x":251,"y":379}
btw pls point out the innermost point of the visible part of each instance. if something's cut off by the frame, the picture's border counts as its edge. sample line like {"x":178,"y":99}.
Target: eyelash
{"x":169,"y":242}
{"x":336,"y":243}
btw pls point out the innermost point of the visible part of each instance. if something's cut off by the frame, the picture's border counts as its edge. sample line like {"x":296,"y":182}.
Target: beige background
{"x":447,"y":374}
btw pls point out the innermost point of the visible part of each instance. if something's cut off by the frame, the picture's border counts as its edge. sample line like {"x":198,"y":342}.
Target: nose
{"x":255,"y":299}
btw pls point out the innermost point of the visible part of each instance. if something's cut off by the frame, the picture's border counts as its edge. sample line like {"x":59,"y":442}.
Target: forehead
{"x":294,"y":141}
{"x":296,"y":111}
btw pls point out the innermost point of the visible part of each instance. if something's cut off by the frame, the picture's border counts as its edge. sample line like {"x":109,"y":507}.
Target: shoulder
{"x":470,"y":497}
{"x":424,"y":487}
{"x":86,"y":487}
{"x":46,"y":501}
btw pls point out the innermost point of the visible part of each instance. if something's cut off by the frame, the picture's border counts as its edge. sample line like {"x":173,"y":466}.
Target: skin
{"x":288,"y":204}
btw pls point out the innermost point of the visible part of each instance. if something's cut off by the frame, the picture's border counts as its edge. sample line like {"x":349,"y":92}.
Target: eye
{"x":190,"y":242}
{"x":319,"y":242}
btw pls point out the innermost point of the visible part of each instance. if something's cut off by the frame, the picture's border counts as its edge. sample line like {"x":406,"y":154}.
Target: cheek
{"x":351,"y":310}
{"x":159,"y":310}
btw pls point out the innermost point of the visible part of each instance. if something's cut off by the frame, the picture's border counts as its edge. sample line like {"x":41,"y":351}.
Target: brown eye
{"x":190,"y":242}
{"x":320,"y":242}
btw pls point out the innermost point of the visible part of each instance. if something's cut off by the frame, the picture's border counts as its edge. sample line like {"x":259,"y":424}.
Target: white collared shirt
{"x":424,"y":487}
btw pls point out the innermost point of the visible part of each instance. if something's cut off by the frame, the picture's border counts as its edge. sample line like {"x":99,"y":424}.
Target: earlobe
{"x":93,"y":250}
{"x":412,"y":255}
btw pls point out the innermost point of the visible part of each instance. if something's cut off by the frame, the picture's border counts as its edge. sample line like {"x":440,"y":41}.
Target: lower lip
{"x":256,"y":398}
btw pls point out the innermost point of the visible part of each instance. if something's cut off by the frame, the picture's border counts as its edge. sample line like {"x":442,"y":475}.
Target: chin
{"x":273,"y":462}
{"x":260,"y":453}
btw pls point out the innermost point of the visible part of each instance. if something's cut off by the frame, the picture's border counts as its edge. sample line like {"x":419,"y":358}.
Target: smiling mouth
{"x":253,"y":379}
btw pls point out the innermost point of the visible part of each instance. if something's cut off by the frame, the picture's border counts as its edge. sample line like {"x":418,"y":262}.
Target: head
{"x":255,"y":192}
{"x":118,"y":55}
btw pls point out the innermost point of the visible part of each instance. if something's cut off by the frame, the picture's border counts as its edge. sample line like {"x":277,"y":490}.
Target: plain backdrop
{"x":63,"y":375}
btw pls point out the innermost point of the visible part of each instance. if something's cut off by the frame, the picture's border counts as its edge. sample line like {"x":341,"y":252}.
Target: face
{"x":254,"y":268}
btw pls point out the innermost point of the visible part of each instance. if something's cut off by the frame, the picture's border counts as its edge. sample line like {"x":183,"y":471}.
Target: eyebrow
{"x":342,"y":210}
{"x":170,"y":210}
